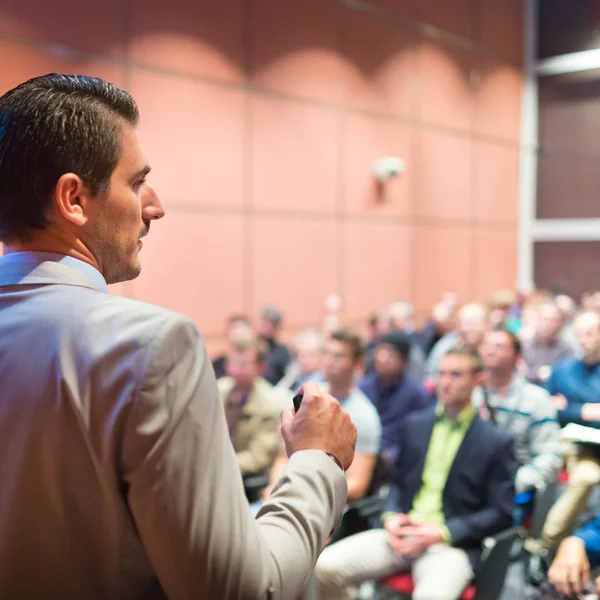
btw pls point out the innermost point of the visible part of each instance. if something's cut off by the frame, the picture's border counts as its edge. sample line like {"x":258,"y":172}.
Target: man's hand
{"x":590,"y":412}
{"x":393,"y":525}
{"x":570,"y":571}
{"x":559,"y":402}
{"x":413,"y":539}
{"x":319,"y":424}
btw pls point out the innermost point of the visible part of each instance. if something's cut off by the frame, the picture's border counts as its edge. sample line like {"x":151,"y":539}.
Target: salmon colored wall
{"x":261,"y":119}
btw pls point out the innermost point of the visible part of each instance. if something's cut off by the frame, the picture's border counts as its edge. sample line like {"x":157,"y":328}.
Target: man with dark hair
{"x":252,"y":407}
{"x":118,"y":476}
{"x":342,"y":361}
{"x":453,"y":485}
{"x":394,"y":393}
{"x":279,"y":356}
{"x":522,"y":409}
{"x":239,"y":329}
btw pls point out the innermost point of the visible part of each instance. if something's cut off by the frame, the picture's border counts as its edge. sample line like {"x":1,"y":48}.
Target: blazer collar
{"x":36,"y":270}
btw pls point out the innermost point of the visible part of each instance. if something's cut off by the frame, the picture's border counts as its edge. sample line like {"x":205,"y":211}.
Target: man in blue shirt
{"x":394,"y":393}
{"x":575,"y":383}
{"x":575,"y":388}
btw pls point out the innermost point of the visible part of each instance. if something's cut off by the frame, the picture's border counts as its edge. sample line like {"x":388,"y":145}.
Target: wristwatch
{"x":335,"y":460}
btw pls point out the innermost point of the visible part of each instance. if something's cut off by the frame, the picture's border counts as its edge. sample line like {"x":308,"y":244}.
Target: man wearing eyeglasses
{"x":522,"y":409}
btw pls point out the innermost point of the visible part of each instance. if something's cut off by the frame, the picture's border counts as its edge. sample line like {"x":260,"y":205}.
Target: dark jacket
{"x":478,"y":498}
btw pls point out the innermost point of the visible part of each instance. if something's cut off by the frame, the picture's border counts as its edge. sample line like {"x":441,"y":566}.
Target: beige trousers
{"x":441,"y":573}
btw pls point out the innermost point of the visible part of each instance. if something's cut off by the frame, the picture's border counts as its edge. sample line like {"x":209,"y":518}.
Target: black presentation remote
{"x":298,"y":401}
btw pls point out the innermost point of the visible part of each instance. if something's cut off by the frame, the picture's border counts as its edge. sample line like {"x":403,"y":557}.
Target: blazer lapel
{"x":421,"y":439}
{"x":469,"y":444}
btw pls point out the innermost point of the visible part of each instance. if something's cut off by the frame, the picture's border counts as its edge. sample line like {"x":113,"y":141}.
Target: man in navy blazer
{"x":452,"y":486}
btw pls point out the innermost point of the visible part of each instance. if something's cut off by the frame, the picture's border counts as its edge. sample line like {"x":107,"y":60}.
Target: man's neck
{"x":453,"y":410}
{"x":389,"y":380}
{"x":592,"y":359}
{"x":340,"y":390}
{"x":56,"y":243}
{"x":547,"y":341}
{"x":498,"y":379}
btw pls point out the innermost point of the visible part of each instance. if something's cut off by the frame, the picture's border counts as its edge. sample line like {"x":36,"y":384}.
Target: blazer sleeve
{"x":496,"y":514}
{"x":186,"y":493}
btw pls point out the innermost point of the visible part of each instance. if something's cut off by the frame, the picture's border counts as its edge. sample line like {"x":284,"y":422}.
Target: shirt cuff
{"x":446,"y":535}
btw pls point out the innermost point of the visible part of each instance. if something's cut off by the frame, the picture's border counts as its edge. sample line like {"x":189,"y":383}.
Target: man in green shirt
{"x":453,"y":485}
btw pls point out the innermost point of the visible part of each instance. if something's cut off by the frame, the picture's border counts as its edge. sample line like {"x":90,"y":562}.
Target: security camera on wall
{"x":387,"y":167}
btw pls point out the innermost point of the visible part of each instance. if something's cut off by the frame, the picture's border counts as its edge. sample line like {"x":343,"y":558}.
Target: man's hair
{"x":471,"y":352}
{"x":259,"y":346}
{"x":352,"y":339}
{"x":515,"y":342}
{"x":49,"y":126}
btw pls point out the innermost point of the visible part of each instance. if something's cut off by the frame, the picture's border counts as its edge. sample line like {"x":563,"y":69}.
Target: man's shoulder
{"x":565,"y":365}
{"x":362,"y":410}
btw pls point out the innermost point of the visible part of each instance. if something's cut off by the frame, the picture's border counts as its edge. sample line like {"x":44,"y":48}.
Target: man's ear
{"x":72,"y":199}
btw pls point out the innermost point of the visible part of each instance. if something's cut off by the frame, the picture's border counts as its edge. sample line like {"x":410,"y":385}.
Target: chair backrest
{"x":494,"y":564}
{"x":380,"y":475}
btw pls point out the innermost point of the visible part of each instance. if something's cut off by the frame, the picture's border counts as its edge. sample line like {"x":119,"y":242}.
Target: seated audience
{"x":453,"y":485}
{"x":239,"y":329}
{"x":472,"y":324}
{"x":575,"y":388}
{"x":308,"y":365}
{"x":343,"y":360}
{"x":278,"y":357}
{"x":522,"y":409}
{"x":252,"y":407}
{"x":394,"y":393}
{"x":570,"y":570}
{"x":546,"y":347}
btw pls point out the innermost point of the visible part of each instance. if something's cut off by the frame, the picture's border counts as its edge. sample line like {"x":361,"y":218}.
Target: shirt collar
{"x":85,"y":269}
{"x":464,"y":417}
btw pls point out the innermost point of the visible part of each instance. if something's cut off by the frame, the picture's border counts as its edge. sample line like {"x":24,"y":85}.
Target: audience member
{"x":472,"y":324}
{"x":394,"y":393}
{"x":575,"y":387}
{"x":402,"y":315}
{"x":568,"y":311}
{"x":452,"y":486}
{"x":442,"y":322}
{"x":252,"y":407}
{"x":501,"y":305}
{"x":308,"y":365}
{"x":398,"y":317}
{"x":343,"y":360}
{"x":522,"y":409}
{"x":278,"y":357}
{"x":546,"y":348}
{"x":239,"y":329}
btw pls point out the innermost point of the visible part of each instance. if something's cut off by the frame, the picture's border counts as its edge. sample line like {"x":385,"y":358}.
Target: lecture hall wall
{"x":261,"y":119}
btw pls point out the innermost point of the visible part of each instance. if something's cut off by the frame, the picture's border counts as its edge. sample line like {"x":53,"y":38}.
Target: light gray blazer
{"x":117,"y":476}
